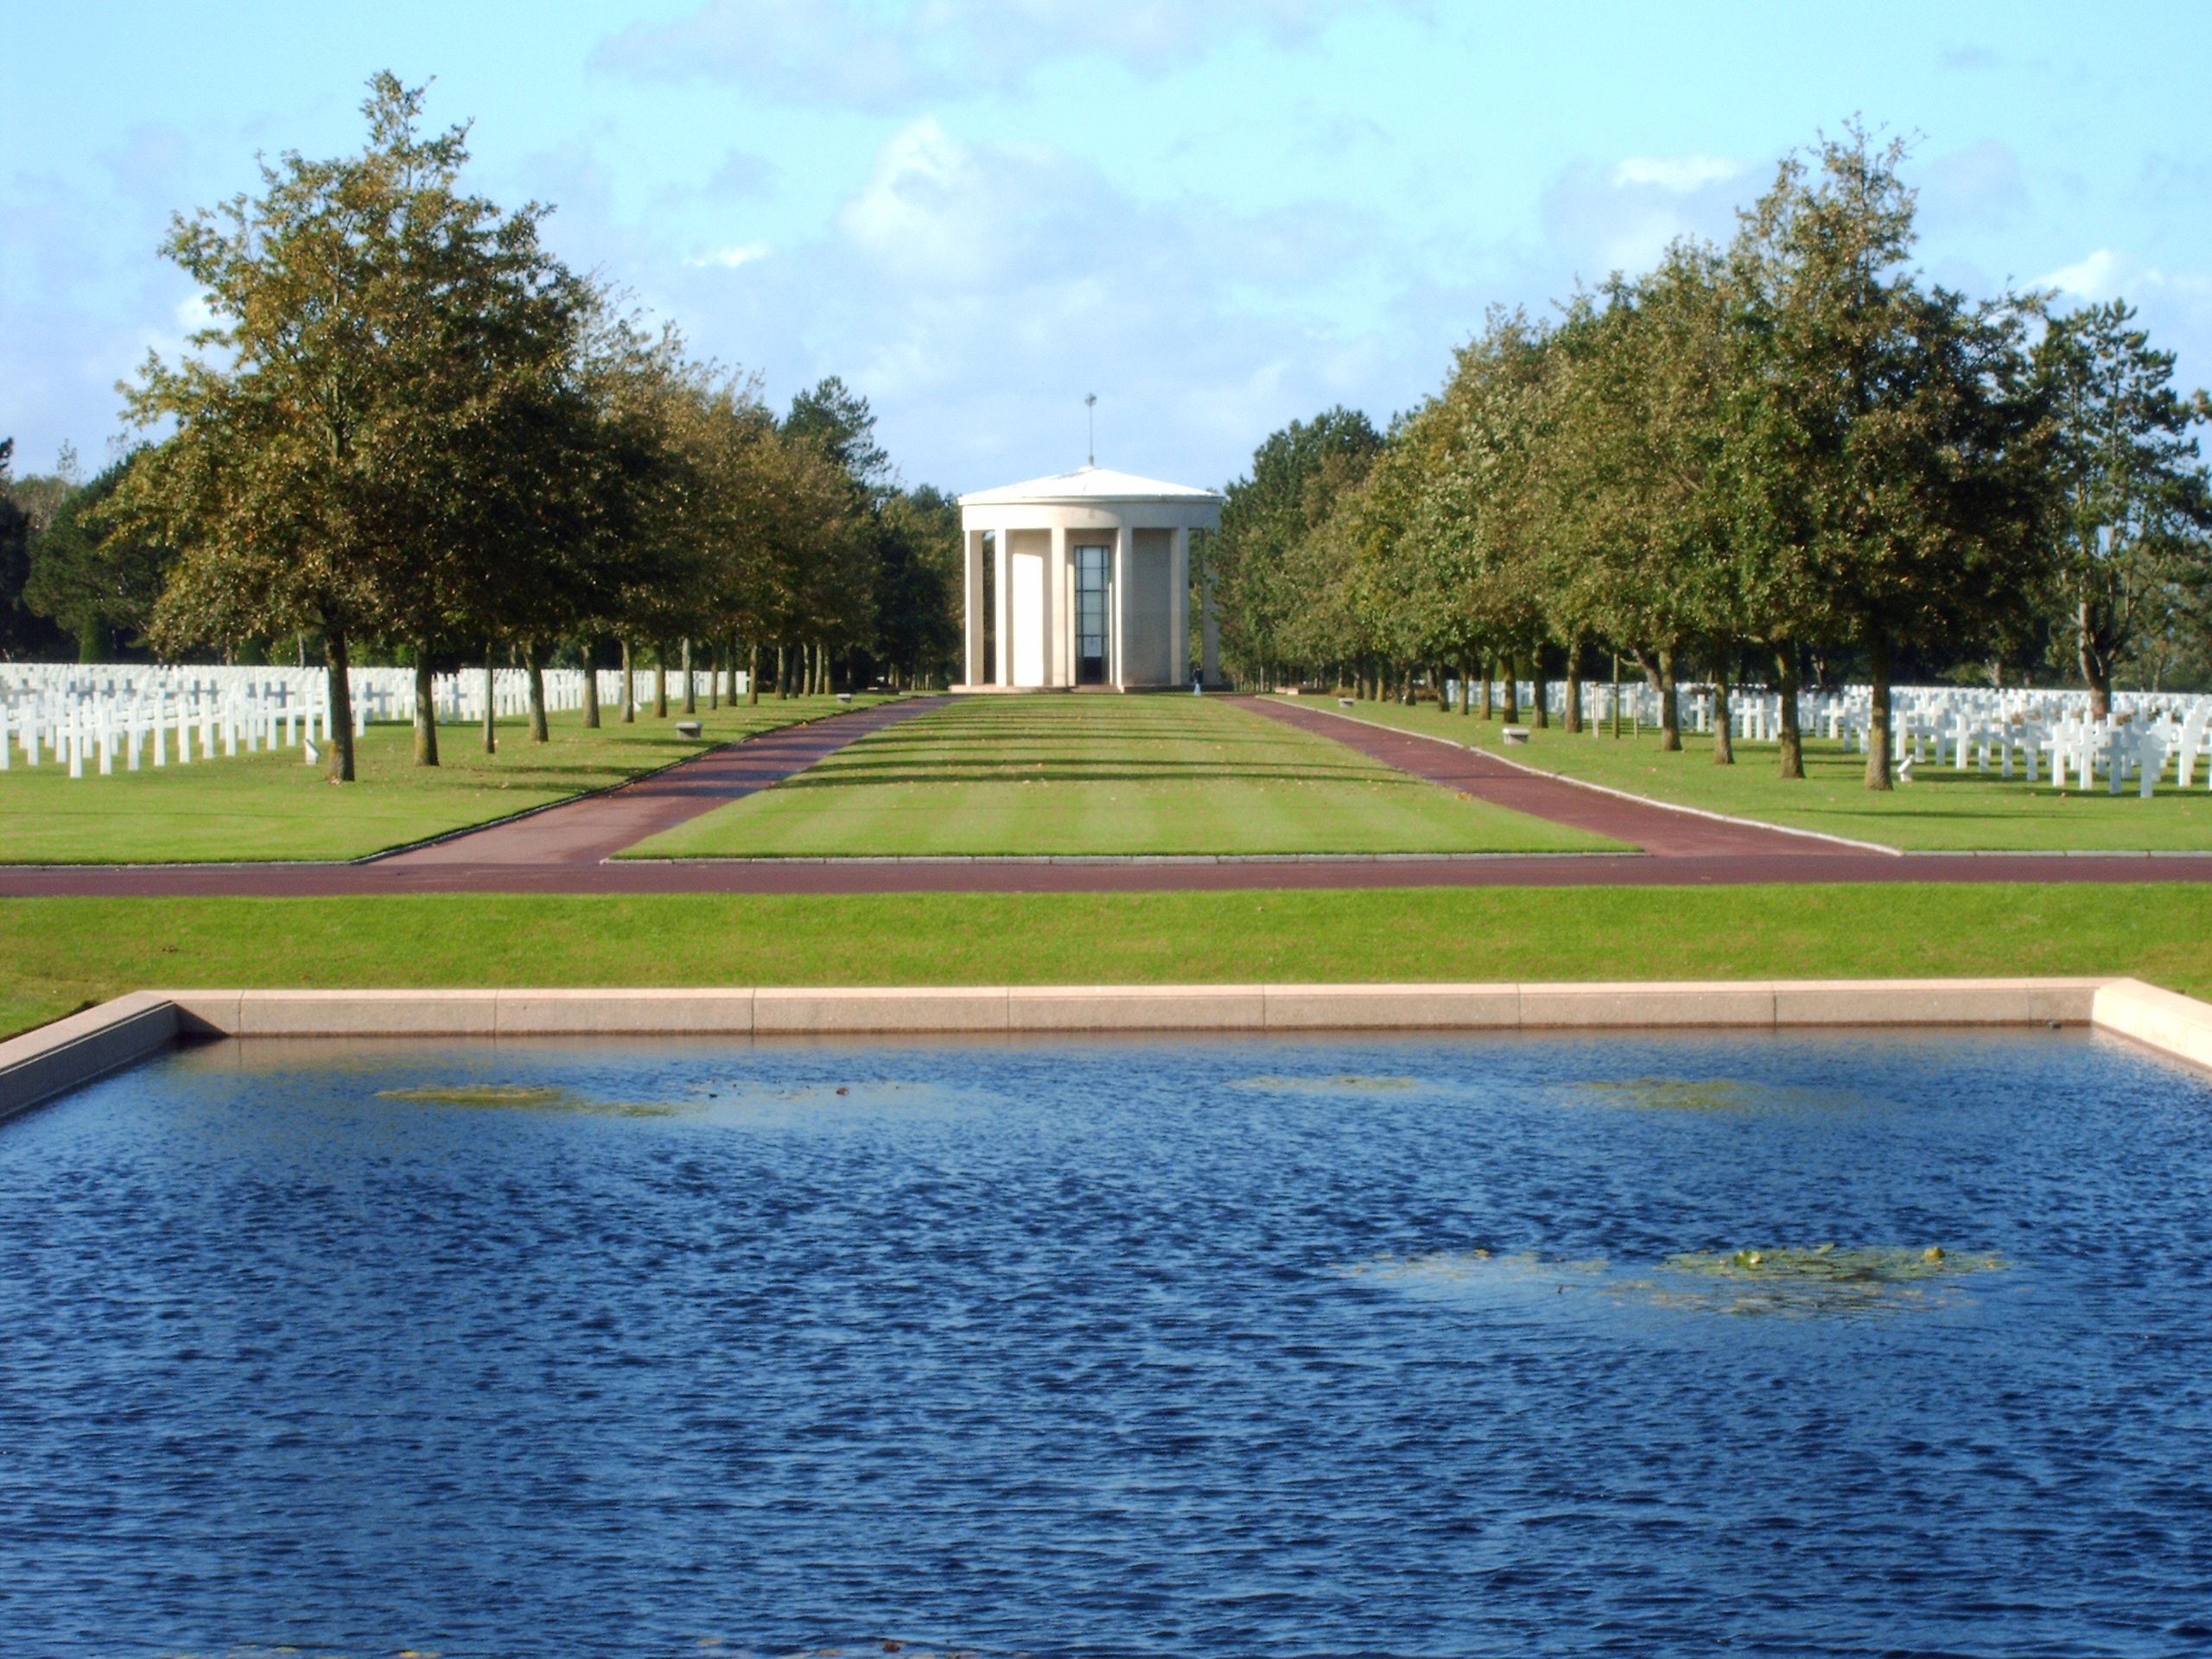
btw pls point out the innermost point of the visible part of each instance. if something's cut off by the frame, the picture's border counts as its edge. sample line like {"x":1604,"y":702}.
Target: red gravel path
{"x":582,"y":832}
{"x":560,"y":850}
{"x":1662,"y":831}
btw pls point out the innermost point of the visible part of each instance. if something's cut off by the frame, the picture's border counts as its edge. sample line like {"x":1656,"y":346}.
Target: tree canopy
{"x":1791,"y":453}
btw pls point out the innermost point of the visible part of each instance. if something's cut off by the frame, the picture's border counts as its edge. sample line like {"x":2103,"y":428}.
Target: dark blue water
{"x":1111,"y":1348}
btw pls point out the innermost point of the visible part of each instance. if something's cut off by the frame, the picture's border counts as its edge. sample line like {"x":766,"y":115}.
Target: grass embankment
{"x":1103,"y":775}
{"x":60,"y":954}
{"x":271,"y":805}
{"x":1942,"y":810}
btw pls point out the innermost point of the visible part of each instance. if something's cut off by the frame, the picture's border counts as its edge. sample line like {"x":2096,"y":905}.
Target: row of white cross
{"x":2146,"y":737}
{"x":100,"y":717}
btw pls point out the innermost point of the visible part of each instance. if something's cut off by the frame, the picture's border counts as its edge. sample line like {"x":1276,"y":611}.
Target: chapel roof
{"x":1088,"y":484}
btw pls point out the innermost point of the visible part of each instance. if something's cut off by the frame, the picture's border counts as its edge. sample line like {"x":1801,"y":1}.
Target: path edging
{"x":82,"y":1047}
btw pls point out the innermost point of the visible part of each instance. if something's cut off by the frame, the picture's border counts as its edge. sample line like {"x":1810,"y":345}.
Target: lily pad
{"x":1817,"y":1279}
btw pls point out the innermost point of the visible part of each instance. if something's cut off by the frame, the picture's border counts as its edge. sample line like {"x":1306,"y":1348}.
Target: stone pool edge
{"x":75,"y":1051}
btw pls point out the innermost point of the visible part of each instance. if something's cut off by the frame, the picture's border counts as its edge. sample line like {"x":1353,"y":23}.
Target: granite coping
{"x":85,"y":1045}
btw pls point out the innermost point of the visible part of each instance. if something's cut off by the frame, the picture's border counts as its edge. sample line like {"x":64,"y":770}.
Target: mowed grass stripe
{"x":60,"y":954}
{"x":270,"y":806}
{"x":1104,"y":775}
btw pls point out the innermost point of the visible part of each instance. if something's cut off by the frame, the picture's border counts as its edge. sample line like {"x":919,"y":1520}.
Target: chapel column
{"x":1179,"y":609}
{"x":1118,"y":588}
{"x":972,"y":665}
{"x":1000,"y":569}
{"x":1059,"y":616}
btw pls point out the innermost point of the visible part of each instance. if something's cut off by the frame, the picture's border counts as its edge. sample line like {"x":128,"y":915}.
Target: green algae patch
{"x":1678,"y":1094}
{"x":1344,"y":1084}
{"x":480,"y":1094}
{"x":1818,"y":1279}
{"x":1821,"y":1280}
{"x":523,"y":1096}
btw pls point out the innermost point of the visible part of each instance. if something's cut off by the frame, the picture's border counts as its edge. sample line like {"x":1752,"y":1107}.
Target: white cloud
{"x":1601,"y":219}
{"x":871,"y":54}
{"x":2099,"y":277}
{"x":1679,"y":175}
{"x":975,"y":292}
{"x":730,"y":258}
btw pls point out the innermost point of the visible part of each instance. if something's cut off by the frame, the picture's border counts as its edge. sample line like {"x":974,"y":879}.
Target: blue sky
{"x":1218,"y":216}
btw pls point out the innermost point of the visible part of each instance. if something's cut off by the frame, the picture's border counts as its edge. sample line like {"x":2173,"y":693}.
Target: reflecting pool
{"x":1621,"y":1344}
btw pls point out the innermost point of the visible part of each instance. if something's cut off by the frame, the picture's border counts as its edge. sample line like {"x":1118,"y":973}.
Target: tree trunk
{"x":491,"y":729}
{"x":660,"y":679}
{"x":535,"y":664}
{"x":1877,"y":736}
{"x":1724,"y":737}
{"x":629,"y":687}
{"x":1670,"y":713}
{"x":783,"y":682}
{"x":1466,"y":690}
{"x":2096,"y":665}
{"x":1792,"y":741}
{"x":426,"y":710}
{"x":1574,"y":689}
{"x":1617,"y":694}
{"x":1540,"y":706}
{"x":336,"y":664}
{"x":591,"y":686}
{"x":752,"y":677}
{"x":690,"y":690}
{"x":1483,"y":689}
{"x":1509,"y":671}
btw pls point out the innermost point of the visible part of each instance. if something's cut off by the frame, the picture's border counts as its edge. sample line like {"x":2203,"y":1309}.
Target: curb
{"x":72,"y":1052}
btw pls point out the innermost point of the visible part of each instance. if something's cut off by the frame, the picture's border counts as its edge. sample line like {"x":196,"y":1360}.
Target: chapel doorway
{"x":1093,"y":580}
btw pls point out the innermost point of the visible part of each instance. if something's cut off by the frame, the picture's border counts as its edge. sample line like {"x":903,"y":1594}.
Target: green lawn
{"x":271,"y":806}
{"x":60,"y":954}
{"x":1103,"y":775}
{"x":1942,"y":810}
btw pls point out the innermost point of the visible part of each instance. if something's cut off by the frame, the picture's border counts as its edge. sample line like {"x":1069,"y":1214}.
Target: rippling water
{"x":1206,"y":1347}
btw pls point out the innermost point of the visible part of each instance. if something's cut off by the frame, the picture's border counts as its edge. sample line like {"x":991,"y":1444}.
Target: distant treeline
{"x":412,"y":436}
{"x":1773,"y":461}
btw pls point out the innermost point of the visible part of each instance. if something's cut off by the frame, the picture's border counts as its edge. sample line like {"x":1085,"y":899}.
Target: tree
{"x":347,"y":431}
{"x":916,"y":630}
{"x":836,"y":420}
{"x":1474,"y":537}
{"x":1900,"y":424}
{"x":91,"y":575}
{"x":1263,"y":517}
{"x":2131,"y":497}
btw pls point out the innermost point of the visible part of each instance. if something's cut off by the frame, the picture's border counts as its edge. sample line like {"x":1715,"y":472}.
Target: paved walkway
{"x":567,"y":848}
{"x":1660,"y":830}
{"x":583,"y":832}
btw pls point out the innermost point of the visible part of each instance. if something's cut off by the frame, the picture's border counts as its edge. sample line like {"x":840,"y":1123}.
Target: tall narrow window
{"x":1092,"y":577}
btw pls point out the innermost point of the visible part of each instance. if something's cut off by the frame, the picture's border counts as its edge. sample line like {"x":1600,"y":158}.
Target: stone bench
{"x":689,"y":728}
{"x":1515,"y":734}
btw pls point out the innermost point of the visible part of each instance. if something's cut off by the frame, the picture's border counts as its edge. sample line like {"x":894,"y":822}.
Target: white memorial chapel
{"x":1088,"y":582}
